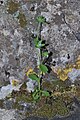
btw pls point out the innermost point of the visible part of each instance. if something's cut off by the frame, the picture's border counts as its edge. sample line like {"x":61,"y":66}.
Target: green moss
{"x":21,"y":96}
{"x":22,"y":20}
{"x":12,"y":7}
{"x":23,"y":86}
{"x":47,"y":85}
{"x":16,"y":106}
{"x":50,"y":109}
{"x":60,"y":108}
{"x":46,"y":111}
{"x":62,"y":85}
{"x":25,"y":98}
{"x":78,"y":92}
{"x":59,"y":83}
{"x":1,"y":103}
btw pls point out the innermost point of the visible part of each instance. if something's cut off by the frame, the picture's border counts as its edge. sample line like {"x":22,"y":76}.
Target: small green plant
{"x":42,"y":68}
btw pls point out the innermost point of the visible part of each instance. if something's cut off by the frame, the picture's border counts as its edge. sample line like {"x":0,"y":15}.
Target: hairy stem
{"x":39,"y":54}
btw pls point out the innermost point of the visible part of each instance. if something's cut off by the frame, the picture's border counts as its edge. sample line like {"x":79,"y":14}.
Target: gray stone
{"x":78,"y":36}
{"x":61,"y":32}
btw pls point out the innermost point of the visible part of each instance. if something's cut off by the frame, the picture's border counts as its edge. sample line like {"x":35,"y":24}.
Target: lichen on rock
{"x":22,"y":20}
{"x":12,"y":6}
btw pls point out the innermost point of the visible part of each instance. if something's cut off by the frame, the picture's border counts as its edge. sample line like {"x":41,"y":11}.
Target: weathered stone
{"x":17,"y":53}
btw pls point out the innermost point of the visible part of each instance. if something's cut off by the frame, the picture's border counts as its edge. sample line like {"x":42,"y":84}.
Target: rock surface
{"x":17,"y":25}
{"x":9,"y":115}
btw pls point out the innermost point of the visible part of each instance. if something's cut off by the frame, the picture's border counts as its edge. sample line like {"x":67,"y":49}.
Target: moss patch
{"x":22,"y":20}
{"x":60,"y":108}
{"x":16,"y":106}
{"x":22,"y":95}
{"x":46,"y":111}
{"x":78,"y":92}
{"x":12,"y":7}
{"x":47,"y":85}
{"x":50,"y":109}
{"x":1,"y":103}
{"x":25,"y":98}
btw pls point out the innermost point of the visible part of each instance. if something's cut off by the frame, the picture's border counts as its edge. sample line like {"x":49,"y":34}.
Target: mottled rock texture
{"x":16,"y":43}
{"x":17,"y":25}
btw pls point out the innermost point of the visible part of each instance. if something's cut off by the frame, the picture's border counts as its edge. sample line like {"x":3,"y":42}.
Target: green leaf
{"x":34,"y":77}
{"x":42,"y":45}
{"x":36,"y":40}
{"x":41,"y":19}
{"x":43,"y":68}
{"x":45,"y":54}
{"x":39,"y":44}
{"x":45,"y":93}
{"x":36,"y":95}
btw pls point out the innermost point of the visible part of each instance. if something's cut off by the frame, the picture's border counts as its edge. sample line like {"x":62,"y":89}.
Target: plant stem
{"x":39,"y":85}
{"x":38,"y":50}
{"x":39,"y":53}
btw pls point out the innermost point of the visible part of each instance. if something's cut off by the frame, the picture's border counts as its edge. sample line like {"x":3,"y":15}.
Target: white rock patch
{"x":74,"y":74}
